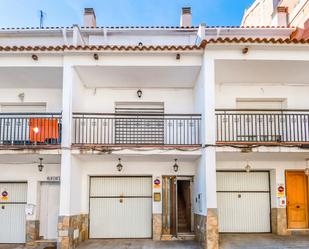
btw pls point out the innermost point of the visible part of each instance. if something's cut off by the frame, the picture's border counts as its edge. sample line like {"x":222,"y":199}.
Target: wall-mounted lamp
{"x":96,"y":56}
{"x":119,"y":165}
{"x":21,"y":97}
{"x":34,"y":57}
{"x":248,"y":167}
{"x":175,"y":166}
{"x":177,"y":56}
{"x":40,"y":166}
{"x":307,"y":167}
{"x":245,"y":50}
{"x":139,"y":93}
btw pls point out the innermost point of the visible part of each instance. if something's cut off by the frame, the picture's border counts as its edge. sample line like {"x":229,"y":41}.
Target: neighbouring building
{"x":279,"y":13}
{"x":152,"y":132}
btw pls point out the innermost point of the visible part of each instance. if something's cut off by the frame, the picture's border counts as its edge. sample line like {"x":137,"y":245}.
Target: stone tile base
{"x":156,"y":226}
{"x":72,"y":231}
{"x":32,"y":231}
{"x":200,"y":229}
{"x":279,"y":221}
{"x":206,"y":229}
{"x":212,"y":231}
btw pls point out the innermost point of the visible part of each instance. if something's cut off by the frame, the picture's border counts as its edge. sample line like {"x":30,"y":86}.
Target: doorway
{"x":49,"y":211}
{"x":297,"y":199}
{"x":177,"y":205}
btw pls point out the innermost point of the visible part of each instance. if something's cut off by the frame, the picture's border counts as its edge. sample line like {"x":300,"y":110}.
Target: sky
{"x":23,"y":13}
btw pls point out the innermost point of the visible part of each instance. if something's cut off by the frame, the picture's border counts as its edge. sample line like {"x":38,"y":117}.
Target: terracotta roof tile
{"x":154,"y":47}
{"x":254,"y":40}
{"x":98,"y":48}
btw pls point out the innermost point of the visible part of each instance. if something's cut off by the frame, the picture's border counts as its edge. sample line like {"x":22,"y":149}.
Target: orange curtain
{"x":42,"y":129}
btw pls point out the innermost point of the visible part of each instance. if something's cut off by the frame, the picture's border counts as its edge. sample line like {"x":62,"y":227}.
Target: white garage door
{"x":243,"y":202}
{"x":13,"y":199}
{"x":120,"y":207}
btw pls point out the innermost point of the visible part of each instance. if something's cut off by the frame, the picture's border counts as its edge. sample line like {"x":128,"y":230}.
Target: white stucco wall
{"x":296,"y":96}
{"x":51,"y":97}
{"x":176,"y":100}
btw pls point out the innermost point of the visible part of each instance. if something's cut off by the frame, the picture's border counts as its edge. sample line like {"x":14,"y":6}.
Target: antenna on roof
{"x":42,"y":17}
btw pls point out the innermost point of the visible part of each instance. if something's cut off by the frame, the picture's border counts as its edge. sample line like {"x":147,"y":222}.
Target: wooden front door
{"x":297,"y":199}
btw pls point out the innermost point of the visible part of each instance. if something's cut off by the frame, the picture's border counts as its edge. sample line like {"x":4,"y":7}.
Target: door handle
{"x":297,"y":206}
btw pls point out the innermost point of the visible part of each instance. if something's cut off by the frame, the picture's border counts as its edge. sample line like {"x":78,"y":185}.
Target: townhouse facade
{"x":152,"y":132}
{"x":291,"y":13}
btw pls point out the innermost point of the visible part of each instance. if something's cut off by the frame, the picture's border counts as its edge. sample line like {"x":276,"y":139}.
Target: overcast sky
{"x":22,"y":13}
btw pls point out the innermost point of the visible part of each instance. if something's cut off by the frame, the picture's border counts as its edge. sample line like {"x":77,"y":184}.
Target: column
{"x":212,"y":234}
{"x":278,"y":210}
{"x":71,"y":222}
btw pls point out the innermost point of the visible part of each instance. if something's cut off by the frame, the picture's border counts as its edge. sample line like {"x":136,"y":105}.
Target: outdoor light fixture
{"x":175,"y":167}
{"x":35,"y":57}
{"x":119,"y":165}
{"x":307,"y":167}
{"x":248,"y":167}
{"x":245,"y":50}
{"x":177,"y":56}
{"x":96,"y":56}
{"x":139,"y":93}
{"x":40,"y":166}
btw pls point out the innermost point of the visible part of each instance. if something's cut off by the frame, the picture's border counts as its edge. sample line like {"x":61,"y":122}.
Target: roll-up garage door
{"x":120,"y":207}
{"x":243,"y":202}
{"x":13,"y":199}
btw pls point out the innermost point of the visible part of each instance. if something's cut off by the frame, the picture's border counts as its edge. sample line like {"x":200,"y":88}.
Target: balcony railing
{"x":133,"y":129}
{"x":21,"y":129}
{"x":262,"y":126}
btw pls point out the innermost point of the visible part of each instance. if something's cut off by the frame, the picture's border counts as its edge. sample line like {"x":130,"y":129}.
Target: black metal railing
{"x":30,"y":129}
{"x":136,"y":129}
{"x":262,"y":125}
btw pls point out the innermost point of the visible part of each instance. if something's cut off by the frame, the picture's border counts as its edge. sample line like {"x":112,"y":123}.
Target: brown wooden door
{"x":297,"y":199}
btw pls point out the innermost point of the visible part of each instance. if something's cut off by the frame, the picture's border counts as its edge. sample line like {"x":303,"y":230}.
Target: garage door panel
{"x":111,"y":218}
{"x":17,"y":192}
{"x":244,"y":212}
{"x":243,"y":202}
{"x":126,"y":186}
{"x":121,"y":207}
{"x":12,"y":213}
{"x":242,"y":181}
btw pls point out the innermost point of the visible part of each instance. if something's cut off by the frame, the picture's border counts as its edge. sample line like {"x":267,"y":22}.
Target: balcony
{"x":262,"y":126}
{"x":30,"y":129}
{"x":110,"y":129}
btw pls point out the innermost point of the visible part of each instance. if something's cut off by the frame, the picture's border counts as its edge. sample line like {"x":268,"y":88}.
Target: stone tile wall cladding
{"x":200,"y":229}
{"x":206,"y":229}
{"x":279,"y":223}
{"x":72,"y":230}
{"x":32,"y":231}
{"x":157,"y":226}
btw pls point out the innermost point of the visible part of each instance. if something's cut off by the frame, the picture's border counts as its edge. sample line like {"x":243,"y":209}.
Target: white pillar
{"x":210,"y":132}
{"x":66,"y":158}
{"x":67,"y":92}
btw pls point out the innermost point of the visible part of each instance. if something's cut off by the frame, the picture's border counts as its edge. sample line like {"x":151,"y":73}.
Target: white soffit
{"x":31,"y":77}
{"x":138,"y":76}
{"x":268,"y":72}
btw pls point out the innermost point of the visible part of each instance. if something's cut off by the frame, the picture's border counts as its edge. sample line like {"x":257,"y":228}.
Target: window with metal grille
{"x":139,"y":123}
